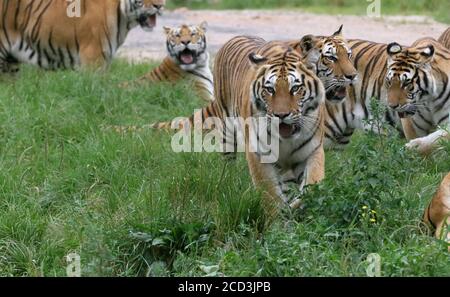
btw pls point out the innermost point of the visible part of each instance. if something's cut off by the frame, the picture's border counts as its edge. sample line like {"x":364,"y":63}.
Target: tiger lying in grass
{"x":437,"y":214}
{"x":187,"y":59}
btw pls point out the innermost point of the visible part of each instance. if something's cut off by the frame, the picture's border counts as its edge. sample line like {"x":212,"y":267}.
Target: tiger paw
{"x":421,"y":145}
{"x":296,"y":204}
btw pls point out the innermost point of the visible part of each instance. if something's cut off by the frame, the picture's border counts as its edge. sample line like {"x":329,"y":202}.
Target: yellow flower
{"x":364,"y":207}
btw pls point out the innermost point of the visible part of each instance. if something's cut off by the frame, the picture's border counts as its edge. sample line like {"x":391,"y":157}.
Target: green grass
{"x":436,"y":8}
{"x":130,"y":206}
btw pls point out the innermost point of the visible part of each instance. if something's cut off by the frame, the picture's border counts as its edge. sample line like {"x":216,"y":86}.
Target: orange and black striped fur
{"x":370,"y":60}
{"x":437,"y":214}
{"x":412,"y":81}
{"x":55,"y":34}
{"x":444,"y":39}
{"x":331,"y":59}
{"x":187,"y":59}
{"x":418,"y":84}
{"x":268,"y":80}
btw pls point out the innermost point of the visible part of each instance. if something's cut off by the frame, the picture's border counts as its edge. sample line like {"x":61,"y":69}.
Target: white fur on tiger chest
{"x":359,"y":114}
{"x":290,"y":153}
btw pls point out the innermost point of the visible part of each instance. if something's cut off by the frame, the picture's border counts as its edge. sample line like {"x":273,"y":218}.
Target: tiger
{"x":418,"y":90}
{"x":423,"y":81}
{"x":370,"y":60}
{"x":330,"y":57}
{"x":52,"y":34}
{"x":187,"y":58}
{"x":444,"y":39}
{"x":437,"y":213}
{"x":259,"y":79}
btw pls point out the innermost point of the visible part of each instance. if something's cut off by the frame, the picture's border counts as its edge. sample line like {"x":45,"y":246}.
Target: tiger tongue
{"x":187,"y":58}
{"x":342,"y":92}
{"x":151,"y":21}
{"x":286,"y":130}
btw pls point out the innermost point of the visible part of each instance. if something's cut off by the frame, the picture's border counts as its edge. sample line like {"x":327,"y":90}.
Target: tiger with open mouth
{"x":188,"y":59}
{"x":270,"y":80}
{"x":331,"y":58}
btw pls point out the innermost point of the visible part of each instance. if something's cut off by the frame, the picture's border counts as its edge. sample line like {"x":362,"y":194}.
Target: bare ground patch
{"x":276,"y":25}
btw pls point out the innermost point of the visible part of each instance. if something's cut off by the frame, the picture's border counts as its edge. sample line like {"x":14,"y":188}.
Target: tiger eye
{"x":270,"y":90}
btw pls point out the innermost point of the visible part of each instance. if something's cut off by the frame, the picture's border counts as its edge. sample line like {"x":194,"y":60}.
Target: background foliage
{"x":436,"y":8}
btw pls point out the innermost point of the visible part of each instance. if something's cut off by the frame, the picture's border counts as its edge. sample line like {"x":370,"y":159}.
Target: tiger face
{"x":331,"y":58}
{"x":286,"y":89}
{"x":407,"y":77}
{"x":145,"y":12}
{"x":187,"y":45}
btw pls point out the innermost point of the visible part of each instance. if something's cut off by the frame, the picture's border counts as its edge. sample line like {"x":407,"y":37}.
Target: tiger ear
{"x":257,"y":60}
{"x":394,"y":48}
{"x":307,"y":43}
{"x":339,"y":31}
{"x":167,"y":30}
{"x":428,"y":52}
{"x":204,"y":26}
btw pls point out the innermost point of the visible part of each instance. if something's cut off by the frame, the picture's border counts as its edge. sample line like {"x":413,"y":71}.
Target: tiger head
{"x":407,"y":78}
{"x":331,"y":59}
{"x":284,"y":88}
{"x":187,"y":46}
{"x":144,"y":12}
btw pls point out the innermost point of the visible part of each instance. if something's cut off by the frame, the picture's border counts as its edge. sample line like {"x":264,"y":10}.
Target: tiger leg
{"x":408,"y":129}
{"x":426,"y":145}
{"x":312,"y":173}
{"x":3,"y":66}
{"x":437,"y":214}
{"x":315,"y":167}
{"x":265,"y":177}
{"x":93,"y":57}
{"x":8,"y":67}
{"x":442,"y":232}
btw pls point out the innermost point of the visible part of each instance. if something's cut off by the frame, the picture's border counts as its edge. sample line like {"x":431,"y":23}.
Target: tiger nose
{"x":351,"y":76}
{"x":282,"y":115}
{"x":394,"y":105}
{"x":157,"y":6}
{"x":186,"y":42}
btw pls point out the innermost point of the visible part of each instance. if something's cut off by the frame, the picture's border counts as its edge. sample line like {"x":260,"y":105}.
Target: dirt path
{"x":276,"y":25}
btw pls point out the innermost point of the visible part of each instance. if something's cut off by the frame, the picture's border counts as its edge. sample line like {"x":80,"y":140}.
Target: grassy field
{"x":436,"y":8}
{"x":129,"y":206}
